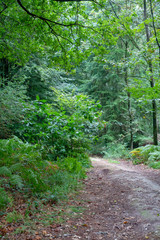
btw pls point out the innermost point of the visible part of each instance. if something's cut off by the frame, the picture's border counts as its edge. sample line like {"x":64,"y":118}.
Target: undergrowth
{"x":24,"y":171}
{"x":149,"y":155}
{"x":116,"y":150}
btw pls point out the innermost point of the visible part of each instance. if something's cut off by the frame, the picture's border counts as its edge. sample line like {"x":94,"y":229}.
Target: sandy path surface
{"x":122,"y":202}
{"x":143,"y":192}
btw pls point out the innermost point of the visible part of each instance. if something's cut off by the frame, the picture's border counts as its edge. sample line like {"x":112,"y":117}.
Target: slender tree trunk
{"x":4,"y":72}
{"x":128,"y":98}
{"x":155,"y":32}
{"x":154,"y":105}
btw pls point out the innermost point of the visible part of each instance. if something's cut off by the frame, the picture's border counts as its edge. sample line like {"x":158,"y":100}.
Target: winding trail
{"x":122,"y":202}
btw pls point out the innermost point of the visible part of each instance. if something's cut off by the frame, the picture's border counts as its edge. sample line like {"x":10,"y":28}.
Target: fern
{"x":149,"y":154}
{"x":5,"y":171}
{"x":154,"y":156}
{"x":16,"y":167}
{"x":4,"y":198}
{"x":145,"y":151}
{"x":23,"y":168}
{"x":16,"y":180}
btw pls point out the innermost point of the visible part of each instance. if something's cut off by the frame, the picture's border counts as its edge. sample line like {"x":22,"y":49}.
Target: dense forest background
{"x":76,"y":78}
{"x":105,"y":50}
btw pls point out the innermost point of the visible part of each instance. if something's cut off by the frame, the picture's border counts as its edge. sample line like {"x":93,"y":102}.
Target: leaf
{"x":5,"y":171}
{"x":125,"y":222}
{"x":84,"y":225}
{"x":16,"y":180}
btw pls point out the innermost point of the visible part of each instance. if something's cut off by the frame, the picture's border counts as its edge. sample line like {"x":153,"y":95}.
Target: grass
{"x":13,"y":217}
{"x":113,"y":161}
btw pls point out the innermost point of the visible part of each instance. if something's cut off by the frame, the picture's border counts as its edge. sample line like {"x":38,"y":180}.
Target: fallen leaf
{"x":125,"y":222}
{"x":84,"y":225}
{"x":44,"y":232}
{"x":38,"y":238}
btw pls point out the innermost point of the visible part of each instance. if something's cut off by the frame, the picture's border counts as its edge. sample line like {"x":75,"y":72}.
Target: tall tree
{"x":152,"y":81}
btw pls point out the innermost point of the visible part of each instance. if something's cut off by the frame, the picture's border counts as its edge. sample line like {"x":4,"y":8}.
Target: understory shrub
{"x":24,"y":170}
{"x":116,"y":150}
{"x":149,"y":154}
{"x":11,"y":106}
{"x":66,"y":127}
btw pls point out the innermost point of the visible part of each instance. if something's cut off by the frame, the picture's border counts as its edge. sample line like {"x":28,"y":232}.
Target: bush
{"x":116,"y":150}
{"x":24,"y":170}
{"x":60,"y":129}
{"x":149,"y":154}
{"x":22,"y":166}
{"x":11,"y":107}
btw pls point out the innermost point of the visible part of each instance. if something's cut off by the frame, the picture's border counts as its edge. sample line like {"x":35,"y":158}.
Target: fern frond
{"x":4,"y":198}
{"x":16,"y":167}
{"x":4,"y":171}
{"x":16,"y":180}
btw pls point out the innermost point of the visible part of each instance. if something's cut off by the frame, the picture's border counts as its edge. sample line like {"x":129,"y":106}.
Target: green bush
{"x":64,"y":128}
{"x":24,"y":170}
{"x":116,"y":150}
{"x":12,"y":97}
{"x":149,"y":154}
{"x":23,"y":165}
{"x":154,"y":156}
{"x":72,"y":165}
{"x":61,"y":132}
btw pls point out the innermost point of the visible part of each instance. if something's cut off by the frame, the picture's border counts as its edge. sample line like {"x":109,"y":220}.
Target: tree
{"x":52,"y":27}
{"x":152,"y":81}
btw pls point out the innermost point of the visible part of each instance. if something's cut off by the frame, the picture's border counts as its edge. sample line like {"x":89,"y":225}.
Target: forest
{"x":77,"y":79}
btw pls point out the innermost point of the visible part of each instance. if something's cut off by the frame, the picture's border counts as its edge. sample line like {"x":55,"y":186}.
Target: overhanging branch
{"x":43,"y":18}
{"x":5,"y":7}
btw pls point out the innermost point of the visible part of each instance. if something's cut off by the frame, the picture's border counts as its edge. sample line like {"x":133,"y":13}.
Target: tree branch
{"x":5,"y":7}
{"x":57,"y":35}
{"x":43,"y":18}
{"x":153,"y":23}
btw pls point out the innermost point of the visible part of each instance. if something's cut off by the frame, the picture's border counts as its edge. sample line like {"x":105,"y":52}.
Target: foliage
{"x":39,"y":77}
{"x":105,"y":81}
{"x":148,"y":154}
{"x":112,"y":41}
{"x":116,"y":150}
{"x":11,"y":106}
{"x":73,"y":166}
{"x":63,"y":128}
{"x":4,"y":198}
{"x":55,"y":28}
{"x":23,"y":170}
{"x":13,"y":217}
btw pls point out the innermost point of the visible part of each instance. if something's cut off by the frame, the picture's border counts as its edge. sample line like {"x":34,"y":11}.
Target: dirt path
{"x":122,"y":201}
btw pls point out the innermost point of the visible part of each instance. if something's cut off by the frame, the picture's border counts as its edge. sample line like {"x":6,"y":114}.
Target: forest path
{"x":122,"y":202}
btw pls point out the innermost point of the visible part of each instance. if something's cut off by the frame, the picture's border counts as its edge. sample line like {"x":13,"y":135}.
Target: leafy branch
{"x":43,"y":18}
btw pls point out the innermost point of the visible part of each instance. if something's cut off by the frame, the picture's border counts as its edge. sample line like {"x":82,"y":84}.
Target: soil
{"x":122,"y":202}
{"x":119,"y":201}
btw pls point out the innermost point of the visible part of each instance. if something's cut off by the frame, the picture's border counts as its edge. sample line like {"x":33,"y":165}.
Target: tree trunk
{"x":128,"y":98}
{"x":154,"y":105}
